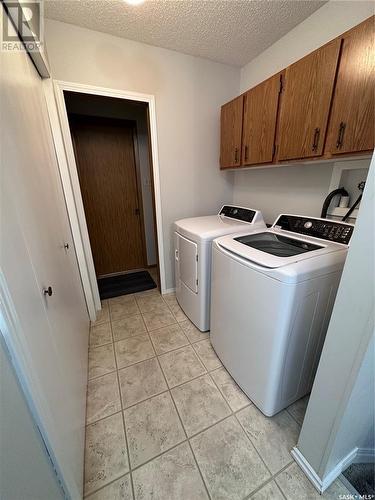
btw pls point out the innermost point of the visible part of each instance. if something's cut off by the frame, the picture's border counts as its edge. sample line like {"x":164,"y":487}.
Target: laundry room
{"x":187,"y":250}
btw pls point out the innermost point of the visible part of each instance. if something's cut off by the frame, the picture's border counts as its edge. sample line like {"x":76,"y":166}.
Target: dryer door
{"x":187,"y":257}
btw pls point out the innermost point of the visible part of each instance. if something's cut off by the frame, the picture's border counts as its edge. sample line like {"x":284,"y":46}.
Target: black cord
{"x":361,"y":187}
{"x":350,"y":211}
{"x":328,"y":200}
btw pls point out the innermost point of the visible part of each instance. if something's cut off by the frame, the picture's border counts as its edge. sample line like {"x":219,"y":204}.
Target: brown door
{"x":259,"y":121}
{"x":351,"y":127}
{"x":231,"y":132}
{"x":106,"y":163}
{"x":305,"y":103}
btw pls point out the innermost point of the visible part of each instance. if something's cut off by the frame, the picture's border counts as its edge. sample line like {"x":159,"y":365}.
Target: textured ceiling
{"x":231,"y":31}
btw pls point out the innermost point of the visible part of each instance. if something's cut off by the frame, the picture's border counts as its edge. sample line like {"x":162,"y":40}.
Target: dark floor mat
{"x":123,"y":284}
{"x":361,"y":476}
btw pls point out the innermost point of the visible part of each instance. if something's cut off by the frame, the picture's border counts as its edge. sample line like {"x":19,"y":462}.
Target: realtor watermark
{"x":22,"y":27}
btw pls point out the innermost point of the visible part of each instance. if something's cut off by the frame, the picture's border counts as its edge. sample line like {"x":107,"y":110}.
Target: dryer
{"x":272,"y":296}
{"x":192,"y":250}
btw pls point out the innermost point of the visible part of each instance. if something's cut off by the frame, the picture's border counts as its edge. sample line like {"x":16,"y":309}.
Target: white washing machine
{"x":272,"y":298}
{"x":192,"y":244}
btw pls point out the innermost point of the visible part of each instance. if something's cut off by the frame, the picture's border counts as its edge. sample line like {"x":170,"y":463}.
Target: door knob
{"x":48,"y":291}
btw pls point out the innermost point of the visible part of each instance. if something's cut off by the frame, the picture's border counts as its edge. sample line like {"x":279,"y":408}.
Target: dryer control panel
{"x":339,"y":232}
{"x":238,"y":213}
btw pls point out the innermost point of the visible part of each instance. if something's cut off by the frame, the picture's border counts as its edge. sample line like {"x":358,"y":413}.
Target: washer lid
{"x":213,"y":226}
{"x":270,"y":249}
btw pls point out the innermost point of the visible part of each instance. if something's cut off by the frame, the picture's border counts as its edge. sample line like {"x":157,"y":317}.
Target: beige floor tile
{"x":168,"y":338}
{"x":207,"y":355}
{"x":100,"y":335}
{"x":122,"y":299}
{"x":228,"y":461}
{"x":298,"y":409}
{"x":118,"y":490}
{"x":199,"y":404}
{"x":273,"y":437}
{"x":177,"y":312}
{"x":128,"y":327}
{"x":181,"y":366}
{"x":192,"y":332}
{"x":105,"y":456}
{"x":151,"y":428}
{"x":133,"y":350}
{"x":103,"y":397}
{"x":172,"y":476}
{"x":150,"y":303}
{"x":141,"y":381}
{"x":158,"y":319}
{"x":295,"y":486}
{"x":153,"y":291}
{"x":102,"y":316}
{"x":170,"y":298}
{"x":101,"y":361}
{"x":122,"y":309}
{"x":268,"y":492}
{"x":229,"y":389}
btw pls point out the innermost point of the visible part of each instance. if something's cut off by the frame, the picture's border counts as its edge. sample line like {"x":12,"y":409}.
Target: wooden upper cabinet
{"x":305,"y":103}
{"x":351,"y":126}
{"x":231,"y":133}
{"x":259,"y":121}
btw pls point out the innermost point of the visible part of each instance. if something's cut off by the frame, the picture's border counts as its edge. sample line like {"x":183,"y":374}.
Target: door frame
{"x":54,"y":93}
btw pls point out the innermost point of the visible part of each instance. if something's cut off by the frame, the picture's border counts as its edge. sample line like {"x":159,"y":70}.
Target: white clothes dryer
{"x":192,"y":246}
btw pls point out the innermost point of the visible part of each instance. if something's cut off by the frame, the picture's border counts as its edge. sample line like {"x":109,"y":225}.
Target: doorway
{"x":111,"y":146}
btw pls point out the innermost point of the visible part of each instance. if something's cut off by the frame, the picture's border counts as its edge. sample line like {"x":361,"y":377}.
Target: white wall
{"x":120,"y":108}
{"x":357,"y":426}
{"x":188,"y":91}
{"x":340,"y":413}
{"x":298,"y":189}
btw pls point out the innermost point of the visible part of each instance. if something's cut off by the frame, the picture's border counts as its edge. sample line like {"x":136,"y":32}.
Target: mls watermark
{"x":22,"y":27}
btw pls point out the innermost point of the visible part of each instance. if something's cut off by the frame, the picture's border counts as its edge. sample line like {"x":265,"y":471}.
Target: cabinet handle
{"x":340,"y":137}
{"x":246,"y":152}
{"x":316,"y":139}
{"x":236,"y":155}
{"x":66,"y":246}
{"x":48,"y":291}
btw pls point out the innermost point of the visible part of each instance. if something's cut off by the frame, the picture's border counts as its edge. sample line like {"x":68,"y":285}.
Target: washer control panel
{"x":238,"y":213}
{"x":338,"y":232}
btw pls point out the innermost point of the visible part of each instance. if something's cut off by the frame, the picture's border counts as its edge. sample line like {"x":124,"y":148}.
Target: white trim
{"x":322,"y":484}
{"x":168,"y":290}
{"x":69,"y":176}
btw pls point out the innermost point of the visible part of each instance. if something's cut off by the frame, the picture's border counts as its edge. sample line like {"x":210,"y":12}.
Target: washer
{"x":272,"y":298}
{"x":192,"y":243}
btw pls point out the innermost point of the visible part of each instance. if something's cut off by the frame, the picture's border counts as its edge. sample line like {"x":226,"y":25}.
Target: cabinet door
{"x":305,"y":103}
{"x":259,"y":121}
{"x":351,"y":127}
{"x":231,"y":132}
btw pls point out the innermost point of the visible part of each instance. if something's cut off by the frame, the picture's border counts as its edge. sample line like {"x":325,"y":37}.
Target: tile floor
{"x":165,"y":421}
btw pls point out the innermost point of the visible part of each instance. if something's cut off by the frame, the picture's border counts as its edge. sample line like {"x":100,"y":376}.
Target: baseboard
{"x":322,"y":484}
{"x":169,"y":290}
{"x":364,"y":456}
